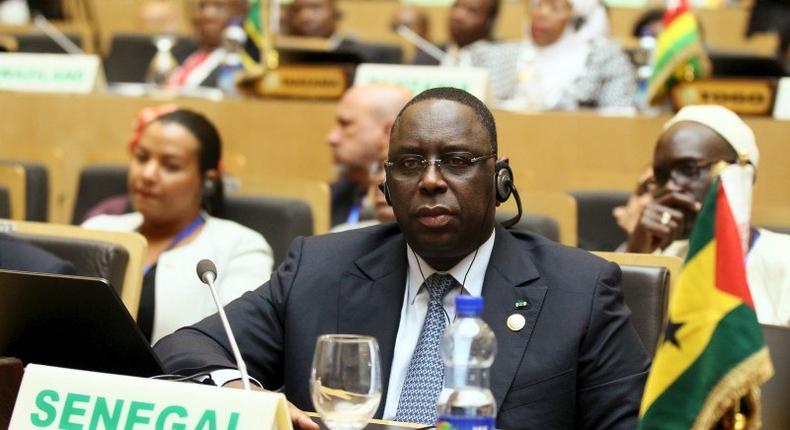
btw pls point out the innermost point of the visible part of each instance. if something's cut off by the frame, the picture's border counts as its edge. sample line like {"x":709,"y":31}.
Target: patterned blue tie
{"x":425,"y":376}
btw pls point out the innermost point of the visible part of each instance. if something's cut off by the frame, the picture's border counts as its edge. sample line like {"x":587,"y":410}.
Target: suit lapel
{"x":371,"y":299}
{"x":511,"y":277}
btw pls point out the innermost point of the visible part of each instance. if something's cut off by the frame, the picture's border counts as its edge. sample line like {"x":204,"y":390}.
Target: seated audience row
{"x":566,"y":62}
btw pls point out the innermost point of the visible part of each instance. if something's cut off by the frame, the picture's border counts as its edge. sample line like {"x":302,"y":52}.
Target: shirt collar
{"x":474,"y":279}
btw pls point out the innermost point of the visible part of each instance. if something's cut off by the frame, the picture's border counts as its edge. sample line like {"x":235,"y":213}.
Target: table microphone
{"x":207,"y":272}
{"x":56,"y":35}
{"x":420,"y":42}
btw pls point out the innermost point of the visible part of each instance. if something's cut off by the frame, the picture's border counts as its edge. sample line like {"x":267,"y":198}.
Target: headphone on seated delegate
{"x":503,"y":181}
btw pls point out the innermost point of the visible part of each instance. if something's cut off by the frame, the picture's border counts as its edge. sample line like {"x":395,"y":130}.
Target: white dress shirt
{"x":415,"y":306}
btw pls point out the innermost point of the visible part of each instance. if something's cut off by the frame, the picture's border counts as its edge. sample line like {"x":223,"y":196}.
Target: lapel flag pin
{"x":521,"y":304}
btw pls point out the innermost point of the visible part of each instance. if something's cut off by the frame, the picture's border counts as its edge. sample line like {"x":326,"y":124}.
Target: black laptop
{"x":71,"y":321}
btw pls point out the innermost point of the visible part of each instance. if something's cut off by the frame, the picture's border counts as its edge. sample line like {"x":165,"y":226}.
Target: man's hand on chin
{"x":299,"y":419}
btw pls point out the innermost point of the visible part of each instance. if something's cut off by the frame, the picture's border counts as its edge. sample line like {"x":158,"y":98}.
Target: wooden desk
{"x":285,"y":138}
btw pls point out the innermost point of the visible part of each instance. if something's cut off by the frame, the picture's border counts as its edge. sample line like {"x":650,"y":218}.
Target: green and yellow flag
{"x":712,"y":353}
{"x":253,"y":26}
{"x":679,"y":54}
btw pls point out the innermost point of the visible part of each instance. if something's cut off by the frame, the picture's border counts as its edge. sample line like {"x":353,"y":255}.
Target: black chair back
{"x":5,"y":203}
{"x":538,"y":224}
{"x":36,"y":190}
{"x":646,"y":291}
{"x":279,"y":220}
{"x":40,"y":43}
{"x":598,"y":230}
{"x":131,"y":54}
{"x":98,"y":183}
{"x":776,"y":392}
{"x":89,"y":257}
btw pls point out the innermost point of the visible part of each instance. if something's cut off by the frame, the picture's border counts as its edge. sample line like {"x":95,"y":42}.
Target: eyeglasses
{"x":683,"y":172}
{"x":454,"y":164}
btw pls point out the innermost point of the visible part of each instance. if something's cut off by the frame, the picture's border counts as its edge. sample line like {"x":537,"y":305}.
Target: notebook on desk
{"x":71,"y":321}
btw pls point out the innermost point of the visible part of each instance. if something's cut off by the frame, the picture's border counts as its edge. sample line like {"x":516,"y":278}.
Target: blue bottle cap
{"x":468,"y":306}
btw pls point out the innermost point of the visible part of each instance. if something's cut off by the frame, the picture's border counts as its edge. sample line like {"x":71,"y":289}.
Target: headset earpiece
{"x":386,"y":191}
{"x":209,"y":188}
{"x":503,"y":178}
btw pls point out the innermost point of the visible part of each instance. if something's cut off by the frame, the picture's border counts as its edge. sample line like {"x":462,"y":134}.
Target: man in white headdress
{"x":692,"y":142}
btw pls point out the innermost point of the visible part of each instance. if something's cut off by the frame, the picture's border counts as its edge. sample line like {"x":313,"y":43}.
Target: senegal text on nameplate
{"x":420,"y":78}
{"x":58,"y":398}
{"x":57,"y":73}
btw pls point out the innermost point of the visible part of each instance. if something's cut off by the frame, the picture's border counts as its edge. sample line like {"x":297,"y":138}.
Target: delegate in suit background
{"x":576,"y":363}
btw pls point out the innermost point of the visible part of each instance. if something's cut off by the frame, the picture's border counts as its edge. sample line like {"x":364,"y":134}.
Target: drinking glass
{"x":345,"y":382}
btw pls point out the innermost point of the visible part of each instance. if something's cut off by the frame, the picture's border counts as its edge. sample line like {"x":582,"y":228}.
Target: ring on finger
{"x":665,"y":218}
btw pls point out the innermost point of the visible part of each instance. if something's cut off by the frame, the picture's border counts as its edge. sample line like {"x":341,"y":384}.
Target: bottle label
{"x":465,"y":423}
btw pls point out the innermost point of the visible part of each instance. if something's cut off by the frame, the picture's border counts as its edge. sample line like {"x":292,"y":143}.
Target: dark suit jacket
{"x":18,"y":255}
{"x":577,"y":363}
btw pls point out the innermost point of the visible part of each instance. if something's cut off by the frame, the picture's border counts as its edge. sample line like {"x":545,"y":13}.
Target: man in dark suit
{"x":18,"y":255}
{"x":469,"y":22}
{"x":567,"y":357}
{"x":319,"y":18}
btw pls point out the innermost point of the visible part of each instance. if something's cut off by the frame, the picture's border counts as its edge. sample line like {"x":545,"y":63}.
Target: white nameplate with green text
{"x":52,"y":73}
{"x":57,"y":398}
{"x":420,"y":78}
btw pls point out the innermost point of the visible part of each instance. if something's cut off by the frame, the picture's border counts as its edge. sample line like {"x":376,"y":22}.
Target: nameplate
{"x":57,"y":398}
{"x":51,"y":73}
{"x":742,"y":96}
{"x":782,"y":103}
{"x":421,"y":78}
{"x":312,"y":82}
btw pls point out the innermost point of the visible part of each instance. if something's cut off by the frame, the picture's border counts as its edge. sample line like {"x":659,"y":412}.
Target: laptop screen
{"x":71,"y":321}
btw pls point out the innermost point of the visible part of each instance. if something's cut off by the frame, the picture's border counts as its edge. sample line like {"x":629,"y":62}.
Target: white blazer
{"x":243,"y":257}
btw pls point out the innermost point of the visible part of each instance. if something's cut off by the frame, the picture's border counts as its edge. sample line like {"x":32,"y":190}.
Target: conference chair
{"x":97,"y":183}
{"x":279,"y":220}
{"x":646,"y":282}
{"x":35,"y":191}
{"x":560,"y":207}
{"x":533,"y":223}
{"x":115,"y":256}
{"x":5,"y":203}
{"x":598,"y":229}
{"x":130,"y":55}
{"x":775,"y":392}
{"x":315,"y":193}
{"x":12,"y":180}
{"x":39,"y":43}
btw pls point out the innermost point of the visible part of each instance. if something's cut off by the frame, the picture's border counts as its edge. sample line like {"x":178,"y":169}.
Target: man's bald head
{"x":363,"y":122}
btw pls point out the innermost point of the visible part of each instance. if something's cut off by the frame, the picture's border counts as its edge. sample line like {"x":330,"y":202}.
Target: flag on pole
{"x":679,"y":53}
{"x":253,"y":26}
{"x":712,"y":352}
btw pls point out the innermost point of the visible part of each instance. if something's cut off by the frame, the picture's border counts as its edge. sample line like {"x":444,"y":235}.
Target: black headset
{"x":503,"y":180}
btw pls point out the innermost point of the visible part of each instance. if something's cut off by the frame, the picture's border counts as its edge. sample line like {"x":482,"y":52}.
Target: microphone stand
{"x":208,"y":278}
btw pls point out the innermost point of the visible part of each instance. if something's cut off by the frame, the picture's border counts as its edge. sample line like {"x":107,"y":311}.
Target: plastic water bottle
{"x":468,"y":349}
{"x":233,"y":39}
{"x":163,"y":63}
